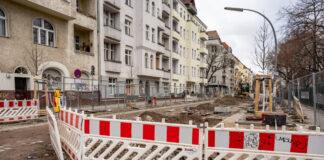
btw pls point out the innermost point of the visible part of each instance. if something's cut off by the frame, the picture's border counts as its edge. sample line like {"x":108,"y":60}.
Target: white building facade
{"x":135,"y":44}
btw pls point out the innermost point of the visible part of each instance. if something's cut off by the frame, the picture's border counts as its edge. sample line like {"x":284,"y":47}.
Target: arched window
{"x":43,"y":32}
{"x":21,"y":70}
{"x":153,"y":8}
{"x":3,"y":25}
{"x":146,"y":60}
{"x":151,"y":61}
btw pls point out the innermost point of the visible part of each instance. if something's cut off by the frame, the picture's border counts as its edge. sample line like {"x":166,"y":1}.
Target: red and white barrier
{"x":17,"y":110}
{"x":171,"y":141}
{"x":170,"y":133}
{"x":54,"y":134}
{"x":70,"y":127}
{"x":283,"y":142}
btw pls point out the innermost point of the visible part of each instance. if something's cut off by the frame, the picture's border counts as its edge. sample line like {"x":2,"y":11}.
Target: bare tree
{"x":305,"y":22}
{"x":262,"y":50}
{"x":217,"y":61}
{"x":34,"y":57}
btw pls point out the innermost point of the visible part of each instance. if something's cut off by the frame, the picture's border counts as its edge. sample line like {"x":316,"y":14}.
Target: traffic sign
{"x":77,"y":73}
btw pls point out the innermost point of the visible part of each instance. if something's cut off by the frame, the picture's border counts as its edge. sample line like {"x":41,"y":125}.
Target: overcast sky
{"x":238,"y":29}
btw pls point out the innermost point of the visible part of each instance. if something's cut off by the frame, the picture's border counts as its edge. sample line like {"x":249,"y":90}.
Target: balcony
{"x":58,"y":8}
{"x":166,"y":74}
{"x":203,"y":36}
{"x":113,"y":66}
{"x":192,"y":9}
{"x":203,"y":50}
{"x":166,"y":7}
{"x":148,"y":72}
{"x":203,"y":65}
{"x":113,"y":33}
{"x":114,"y":3}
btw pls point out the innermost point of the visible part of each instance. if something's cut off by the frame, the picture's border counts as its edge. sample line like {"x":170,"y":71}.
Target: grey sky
{"x":238,"y":29}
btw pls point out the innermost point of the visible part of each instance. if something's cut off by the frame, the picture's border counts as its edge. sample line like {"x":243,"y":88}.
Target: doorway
{"x":20,"y":88}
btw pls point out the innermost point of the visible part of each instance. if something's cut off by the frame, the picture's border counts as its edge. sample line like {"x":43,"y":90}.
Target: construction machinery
{"x":244,"y":89}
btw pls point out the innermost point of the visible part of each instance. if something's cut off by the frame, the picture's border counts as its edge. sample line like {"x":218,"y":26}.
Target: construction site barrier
{"x":54,"y":134}
{"x":70,"y":128}
{"x":90,"y":138}
{"x":18,"y":110}
{"x":125,"y":139}
{"x":237,"y":143}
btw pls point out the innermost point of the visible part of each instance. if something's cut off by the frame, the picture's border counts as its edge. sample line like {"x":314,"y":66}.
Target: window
{"x":153,"y":35}
{"x":147,"y":5}
{"x":78,"y":5}
{"x":181,"y":12}
{"x":110,"y":51}
{"x":3,"y":25}
{"x":128,"y":2}
{"x":128,"y":27}
{"x":175,"y":5}
{"x":112,"y":85}
{"x":180,"y":31}
{"x":175,"y":25}
{"x":184,"y":33}
{"x":147,"y":32}
{"x":180,"y":72}
{"x":184,"y":15}
{"x":153,"y":9}
{"x":214,"y":79}
{"x":184,"y":51}
{"x":43,"y":32}
{"x":180,"y":50}
{"x":146,"y":60}
{"x":76,"y":42}
{"x":184,"y":70}
{"x":151,"y":59}
{"x":21,"y":70}
{"x":109,"y":19}
{"x":175,"y":46}
{"x":128,"y":57}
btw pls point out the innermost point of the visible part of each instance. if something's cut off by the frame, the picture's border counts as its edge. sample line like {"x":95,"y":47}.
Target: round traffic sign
{"x":77,"y":73}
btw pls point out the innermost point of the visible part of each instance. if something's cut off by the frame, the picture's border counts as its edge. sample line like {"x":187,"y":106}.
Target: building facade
{"x":135,"y":42}
{"x":188,"y":48}
{"x":45,"y":39}
{"x":220,"y":79}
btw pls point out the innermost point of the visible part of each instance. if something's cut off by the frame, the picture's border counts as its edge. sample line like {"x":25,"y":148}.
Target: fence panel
{"x":18,"y":110}
{"x":54,"y":134}
{"x":236,"y":143}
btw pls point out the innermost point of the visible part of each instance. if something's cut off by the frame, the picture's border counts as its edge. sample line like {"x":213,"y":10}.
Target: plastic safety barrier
{"x":90,"y":138}
{"x":70,"y":128}
{"x":124,"y":139}
{"x":54,"y":134}
{"x":250,"y":143}
{"x":18,"y":110}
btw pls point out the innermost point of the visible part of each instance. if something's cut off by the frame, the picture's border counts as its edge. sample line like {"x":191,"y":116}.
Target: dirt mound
{"x":181,"y":118}
{"x":206,"y":107}
{"x":228,"y":100}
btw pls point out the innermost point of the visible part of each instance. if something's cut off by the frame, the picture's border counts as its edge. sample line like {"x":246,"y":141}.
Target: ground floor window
{"x":112,"y":85}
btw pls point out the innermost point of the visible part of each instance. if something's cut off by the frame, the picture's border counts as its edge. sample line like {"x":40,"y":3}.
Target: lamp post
{"x":275,"y":39}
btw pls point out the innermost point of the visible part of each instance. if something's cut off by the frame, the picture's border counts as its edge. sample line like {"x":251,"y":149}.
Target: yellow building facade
{"x":189,"y":51}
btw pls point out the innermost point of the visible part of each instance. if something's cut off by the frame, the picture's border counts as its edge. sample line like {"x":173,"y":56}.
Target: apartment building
{"x":220,"y":79}
{"x":242,"y":74}
{"x":45,"y":39}
{"x":189,"y":50}
{"x":135,"y":43}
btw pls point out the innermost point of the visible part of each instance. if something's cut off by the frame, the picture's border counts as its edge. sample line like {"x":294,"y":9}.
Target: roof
{"x":225,"y":45}
{"x":212,"y":35}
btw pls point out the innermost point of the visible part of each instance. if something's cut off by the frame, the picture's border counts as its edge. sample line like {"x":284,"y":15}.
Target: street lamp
{"x":275,"y":39}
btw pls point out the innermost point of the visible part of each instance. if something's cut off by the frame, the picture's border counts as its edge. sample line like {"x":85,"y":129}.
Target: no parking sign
{"x":77,"y":73}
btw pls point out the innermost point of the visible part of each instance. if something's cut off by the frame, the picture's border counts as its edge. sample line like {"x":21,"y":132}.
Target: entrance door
{"x":20,"y":88}
{"x":147,"y":88}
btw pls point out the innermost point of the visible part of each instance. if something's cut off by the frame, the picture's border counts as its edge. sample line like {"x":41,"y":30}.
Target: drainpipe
{"x":99,"y":45}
